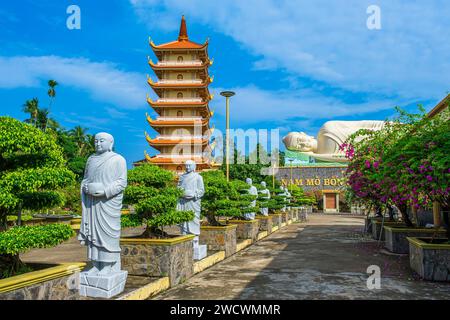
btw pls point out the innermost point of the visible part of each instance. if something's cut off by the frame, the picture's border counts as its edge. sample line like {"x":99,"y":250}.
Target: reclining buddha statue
{"x":329,"y":139}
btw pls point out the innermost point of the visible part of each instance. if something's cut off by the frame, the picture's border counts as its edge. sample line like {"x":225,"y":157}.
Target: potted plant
{"x":154,"y":195}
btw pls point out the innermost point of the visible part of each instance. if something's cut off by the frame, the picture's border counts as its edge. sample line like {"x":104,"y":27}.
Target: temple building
{"x":182,"y":104}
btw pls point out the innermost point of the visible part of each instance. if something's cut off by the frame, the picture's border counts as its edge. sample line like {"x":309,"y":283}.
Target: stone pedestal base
{"x":200,"y":251}
{"x":102,"y":286}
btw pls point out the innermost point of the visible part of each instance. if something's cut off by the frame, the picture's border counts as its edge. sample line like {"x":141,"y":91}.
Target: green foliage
{"x":20,"y":239}
{"x":32,"y":168}
{"x":153,"y":193}
{"x":222,"y":198}
{"x":299,"y":198}
{"x":131,"y":220}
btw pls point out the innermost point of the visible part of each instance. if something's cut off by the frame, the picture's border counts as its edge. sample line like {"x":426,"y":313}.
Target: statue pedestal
{"x":102,"y":286}
{"x":200,"y":251}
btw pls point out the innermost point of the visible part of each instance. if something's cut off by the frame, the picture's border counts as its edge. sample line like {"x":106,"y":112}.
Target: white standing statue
{"x":329,"y":139}
{"x":286,"y":196}
{"x":265,"y":194}
{"x":254,"y":192}
{"x":192,"y":185}
{"x":105,"y":179}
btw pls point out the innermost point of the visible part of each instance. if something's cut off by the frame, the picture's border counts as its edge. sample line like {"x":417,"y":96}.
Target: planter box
{"x":171,"y":258}
{"x":376,"y":228}
{"x":285,"y":217}
{"x":265,"y":223}
{"x":276,"y":219}
{"x":56,"y":282}
{"x":430,"y":261}
{"x":294,"y":213}
{"x":219,"y":238}
{"x":246,"y":229}
{"x":395,"y":237}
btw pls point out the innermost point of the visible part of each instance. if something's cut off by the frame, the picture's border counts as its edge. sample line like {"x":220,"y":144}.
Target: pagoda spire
{"x":183,"y":36}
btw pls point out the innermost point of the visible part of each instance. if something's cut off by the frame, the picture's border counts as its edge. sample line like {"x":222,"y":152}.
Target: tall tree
{"x":31,"y":107}
{"x":51,"y":91}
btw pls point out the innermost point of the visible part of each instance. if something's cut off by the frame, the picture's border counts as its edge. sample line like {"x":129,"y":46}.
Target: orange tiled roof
{"x":182,"y":42}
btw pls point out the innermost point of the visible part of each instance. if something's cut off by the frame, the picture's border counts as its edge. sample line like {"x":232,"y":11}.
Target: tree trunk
{"x":391,"y":213}
{"x":154,"y":232}
{"x":212,"y":221}
{"x":9,"y":265}
{"x":404,"y":212}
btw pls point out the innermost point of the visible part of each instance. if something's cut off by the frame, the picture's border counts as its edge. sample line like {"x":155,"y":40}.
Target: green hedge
{"x":20,"y":239}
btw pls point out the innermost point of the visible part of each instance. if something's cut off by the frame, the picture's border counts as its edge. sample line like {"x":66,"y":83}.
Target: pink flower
{"x":376,"y":164}
{"x":429,"y":178}
{"x":367,"y":164}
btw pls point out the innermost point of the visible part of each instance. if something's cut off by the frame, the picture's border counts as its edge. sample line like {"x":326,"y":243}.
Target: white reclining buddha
{"x":329,"y":139}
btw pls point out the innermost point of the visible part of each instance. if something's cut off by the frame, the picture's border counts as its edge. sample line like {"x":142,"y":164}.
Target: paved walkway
{"x":326,"y":258}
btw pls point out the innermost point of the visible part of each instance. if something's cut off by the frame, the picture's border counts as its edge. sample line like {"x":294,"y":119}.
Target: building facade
{"x":182,"y":105}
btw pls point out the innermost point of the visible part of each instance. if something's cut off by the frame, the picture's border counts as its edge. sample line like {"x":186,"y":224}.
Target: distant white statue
{"x":192,"y":185}
{"x":105,"y":179}
{"x":265,"y":195}
{"x":329,"y":139}
{"x":287,"y":195}
{"x":254,"y":192}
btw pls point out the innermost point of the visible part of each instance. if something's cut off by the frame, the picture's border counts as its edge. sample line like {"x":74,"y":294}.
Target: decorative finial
{"x":183,"y":36}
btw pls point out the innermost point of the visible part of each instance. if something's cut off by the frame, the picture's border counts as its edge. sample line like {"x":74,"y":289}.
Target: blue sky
{"x":293,"y":64}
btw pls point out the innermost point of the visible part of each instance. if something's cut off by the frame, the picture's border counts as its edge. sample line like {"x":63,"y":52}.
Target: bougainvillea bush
{"x":406,"y":163}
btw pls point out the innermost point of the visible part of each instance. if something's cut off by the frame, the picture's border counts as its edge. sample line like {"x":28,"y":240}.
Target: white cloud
{"x":252,"y":105}
{"x":329,"y":41}
{"x":103,"y":81}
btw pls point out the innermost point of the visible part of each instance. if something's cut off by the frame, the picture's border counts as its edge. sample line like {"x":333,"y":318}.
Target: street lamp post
{"x":227,"y":95}
{"x":290,"y":160}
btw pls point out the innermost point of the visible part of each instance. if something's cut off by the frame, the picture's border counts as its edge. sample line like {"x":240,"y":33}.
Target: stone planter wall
{"x":171,"y":258}
{"x":294,"y":213}
{"x":58,"y":282}
{"x":285,"y":217}
{"x":395,"y":238}
{"x":246,"y":229}
{"x":276,"y":219}
{"x":376,"y":228}
{"x":219,"y":238}
{"x":430,"y":261}
{"x":265,"y":223}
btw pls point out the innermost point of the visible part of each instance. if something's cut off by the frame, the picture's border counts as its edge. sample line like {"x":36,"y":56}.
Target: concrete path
{"x":326,"y":258}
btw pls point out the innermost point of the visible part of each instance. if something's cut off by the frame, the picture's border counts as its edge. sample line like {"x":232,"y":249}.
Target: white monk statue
{"x":192,"y":185}
{"x":285,"y":193}
{"x":329,"y":139}
{"x":265,"y":195}
{"x":254,"y":192}
{"x":105,"y":179}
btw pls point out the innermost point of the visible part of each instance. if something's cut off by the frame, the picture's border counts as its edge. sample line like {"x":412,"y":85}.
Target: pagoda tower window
{"x":180,"y":77}
{"x":180,"y":59}
{"x":180,"y":95}
{"x":179,"y":113}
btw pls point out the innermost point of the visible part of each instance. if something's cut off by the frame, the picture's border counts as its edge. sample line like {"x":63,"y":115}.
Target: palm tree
{"x":31,"y":107}
{"x":51,"y":91}
{"x":42,"y":119}
{"x":78,"y":134}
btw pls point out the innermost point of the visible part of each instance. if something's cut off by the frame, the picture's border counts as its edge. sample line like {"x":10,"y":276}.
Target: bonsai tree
{"x":153,"y":193}
{"x":277,"y":200}
{"x":299,"y":198}
{"x":32,"y":171}
{"x":224,"y":199}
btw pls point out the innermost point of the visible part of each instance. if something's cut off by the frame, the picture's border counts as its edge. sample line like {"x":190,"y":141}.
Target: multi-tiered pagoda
{"x":182,"y":104}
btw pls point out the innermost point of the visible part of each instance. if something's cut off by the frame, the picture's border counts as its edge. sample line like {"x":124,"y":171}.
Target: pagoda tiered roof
{"x":175,"y":121}
{"x":161,"y":141}
{"x":168,"y":159}
{"x":181,"y":44}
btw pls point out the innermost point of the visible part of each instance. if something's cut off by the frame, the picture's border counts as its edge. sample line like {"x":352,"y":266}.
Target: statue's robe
{"x":334,"y":133}
{"x":192,"y":183}
{"x":286,"y":194}
{"x":265,"y":194}
{"x":100,"y":221}
{"x":251,"y":215}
